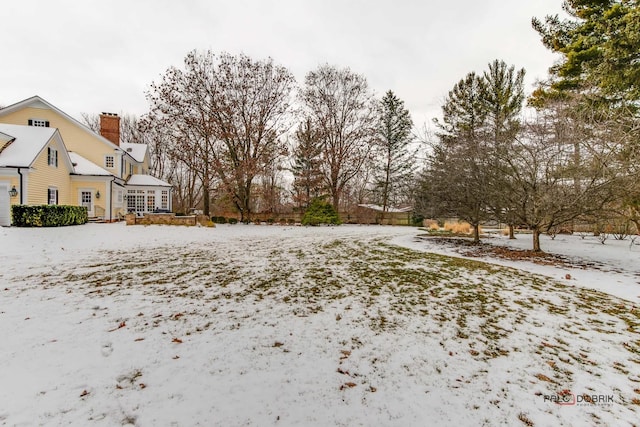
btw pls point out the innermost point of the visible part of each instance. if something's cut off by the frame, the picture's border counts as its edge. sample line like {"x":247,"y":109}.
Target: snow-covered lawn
{"x":104,"y":324}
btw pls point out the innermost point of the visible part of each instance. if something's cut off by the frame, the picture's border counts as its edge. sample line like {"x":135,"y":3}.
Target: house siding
{"x":87,"y":144}
{"x":44,"y":176}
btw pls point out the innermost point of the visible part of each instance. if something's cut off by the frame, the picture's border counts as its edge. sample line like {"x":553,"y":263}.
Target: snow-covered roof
{"x":137,"y":151}
{"x":26,"y":142}
{"x":147,"y":181}
{"x":389,"y":209}
{"x":83,"y":166}
{"x":38,"y":102}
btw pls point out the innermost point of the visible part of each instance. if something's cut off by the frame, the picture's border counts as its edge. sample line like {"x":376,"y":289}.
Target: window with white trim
{"x":52,"y":196}
{"x":151,"y":201}
{"x":131,"y":200}
{"x":38,"y":123}
{"x":109,"y":162}
{"x":119,"y":197}
{"x":52,"y":157}
{"x":164,"y":201}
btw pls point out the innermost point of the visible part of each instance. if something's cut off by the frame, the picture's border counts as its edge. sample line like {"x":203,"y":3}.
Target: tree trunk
{"x":536,"y":240}
{"x":336,"y":200}
{"x":206,"y":199}
{"x":511,"y":232}
{"x":476,"y":233}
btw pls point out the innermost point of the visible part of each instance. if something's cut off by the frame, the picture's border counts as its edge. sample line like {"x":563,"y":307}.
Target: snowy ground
{"x":104,"y":324}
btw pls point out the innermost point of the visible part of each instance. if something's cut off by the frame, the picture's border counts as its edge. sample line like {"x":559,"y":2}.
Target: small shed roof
{"x":389,"y":209}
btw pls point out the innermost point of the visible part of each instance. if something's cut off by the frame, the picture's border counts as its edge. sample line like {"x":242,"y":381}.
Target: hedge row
{"x":48,"y":215}
{"x":223,"y":220}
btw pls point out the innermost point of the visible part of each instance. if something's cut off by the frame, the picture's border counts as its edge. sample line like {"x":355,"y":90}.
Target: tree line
{"x":572,"y":158}
{"x":228,"y":129}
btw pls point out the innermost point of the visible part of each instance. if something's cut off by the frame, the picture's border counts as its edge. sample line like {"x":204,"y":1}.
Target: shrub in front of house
{"x":233,"y":220}
{"x":48,"y":215}
{"x":320,"y":212}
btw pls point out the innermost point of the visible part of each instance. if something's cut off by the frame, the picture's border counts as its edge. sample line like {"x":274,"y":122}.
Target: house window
{"x":151,"y":201}
{"x":165,"y":199}
{"x":109,"y":161}
{"x":52,"y":195}
{"x":52,"y":157}
{"x":39,"y":123}
{"x":119,"y":197}
{"x":131,"y":201}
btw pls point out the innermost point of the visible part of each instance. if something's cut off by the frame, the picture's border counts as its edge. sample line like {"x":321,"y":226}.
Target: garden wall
{"x":168,"y":219}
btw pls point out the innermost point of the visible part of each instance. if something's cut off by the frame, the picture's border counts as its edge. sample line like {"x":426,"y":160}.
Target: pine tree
{"x":395,"y":160}
{"x":502,"y":99}
{"x":599,"y":45}
{"x":457,"y":176}
{"x":308,"y":181}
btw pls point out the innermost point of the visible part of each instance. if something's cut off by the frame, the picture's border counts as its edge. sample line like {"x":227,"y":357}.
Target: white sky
{"x":93,"y":56}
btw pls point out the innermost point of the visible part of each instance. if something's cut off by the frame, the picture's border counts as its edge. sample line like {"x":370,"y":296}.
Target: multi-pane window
{"x":131,"y":200}
{"x":39,"y":123}
{"x":52,"y":196}
{"x":109,"y":161}
{"x":52,"y":157}
{"x":164,"y":199}
{"x":151,"y":201}
{"x":140,"y":201}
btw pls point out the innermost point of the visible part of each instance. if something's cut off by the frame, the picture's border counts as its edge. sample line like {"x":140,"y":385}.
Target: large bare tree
{"x":225,"y":115}
{"x":563,"y":166}
{"x":341,"y":108}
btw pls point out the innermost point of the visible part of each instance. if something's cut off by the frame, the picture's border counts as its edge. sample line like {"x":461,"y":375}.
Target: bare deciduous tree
{"x":341,"y":108}
{"x":225,"y":116}
{"x":562,"y":167}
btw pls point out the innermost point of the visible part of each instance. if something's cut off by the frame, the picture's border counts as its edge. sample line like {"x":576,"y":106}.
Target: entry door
{"x":5,"y":215}
{"x":86,"y":200}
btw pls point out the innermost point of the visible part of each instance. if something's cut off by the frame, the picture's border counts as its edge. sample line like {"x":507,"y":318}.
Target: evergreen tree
{"x":308,"y":181}
{"x":600,"y":45}
{"x":457,"y":177}
{"x":502,"y":100}
{"x":395,"y":161}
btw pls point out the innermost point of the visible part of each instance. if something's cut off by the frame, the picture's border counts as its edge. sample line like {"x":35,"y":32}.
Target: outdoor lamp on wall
{"x":98,"y":194}
{"x":13,"y":192}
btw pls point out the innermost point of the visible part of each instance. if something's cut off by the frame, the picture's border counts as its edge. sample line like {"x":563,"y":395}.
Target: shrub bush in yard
{"x":320,"y":212}
{"x":48,"y":215}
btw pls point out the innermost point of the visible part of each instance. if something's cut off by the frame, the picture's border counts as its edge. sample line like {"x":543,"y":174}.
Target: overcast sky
{"x":92,"y":56}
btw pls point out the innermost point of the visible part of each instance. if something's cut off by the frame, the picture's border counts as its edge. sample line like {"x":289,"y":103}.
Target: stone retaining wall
{"x":168,"y":219}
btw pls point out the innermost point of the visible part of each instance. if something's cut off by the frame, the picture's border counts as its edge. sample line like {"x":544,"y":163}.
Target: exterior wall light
{"x":98,"y":194}
{"x":13,"y":192}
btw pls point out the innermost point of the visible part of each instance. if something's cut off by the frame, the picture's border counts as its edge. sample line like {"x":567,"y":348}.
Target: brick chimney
{"x":110,"y":127}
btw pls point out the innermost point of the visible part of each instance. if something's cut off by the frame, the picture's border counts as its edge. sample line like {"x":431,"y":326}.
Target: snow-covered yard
{"x":104,"y":324}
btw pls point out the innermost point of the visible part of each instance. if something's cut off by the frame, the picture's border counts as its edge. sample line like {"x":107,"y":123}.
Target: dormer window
{"x":39,"y":123}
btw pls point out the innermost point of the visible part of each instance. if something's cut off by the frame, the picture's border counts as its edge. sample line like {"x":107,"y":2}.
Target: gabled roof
{"x":26,"y":143}
{"x":146,"y":181}
{"x":37,"y":102}
{"x":82,"y":166}
{"x":137,"y":151}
